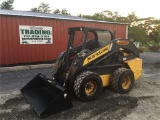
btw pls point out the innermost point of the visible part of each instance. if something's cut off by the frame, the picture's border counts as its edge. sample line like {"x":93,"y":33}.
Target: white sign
{"x":35,"y":34}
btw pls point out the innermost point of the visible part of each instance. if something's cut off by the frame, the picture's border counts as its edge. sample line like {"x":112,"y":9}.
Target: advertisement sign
{"x":35,"y":34}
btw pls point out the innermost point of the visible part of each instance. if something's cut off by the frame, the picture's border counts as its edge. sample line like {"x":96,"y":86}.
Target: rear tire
{"x":122,"y":80}
{"x":88,"y":86}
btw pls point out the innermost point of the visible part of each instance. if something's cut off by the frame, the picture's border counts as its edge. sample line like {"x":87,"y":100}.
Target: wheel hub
{"x":126,"y":82}
{"x":90,"y":87}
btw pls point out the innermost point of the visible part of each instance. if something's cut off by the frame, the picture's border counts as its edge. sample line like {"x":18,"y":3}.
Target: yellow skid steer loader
{"x":94,"y":59}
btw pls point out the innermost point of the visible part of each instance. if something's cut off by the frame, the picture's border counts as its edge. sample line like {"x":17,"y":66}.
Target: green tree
{"x":43,"y":7}
{"x":155,"y":34}
{"x":95,"y":16}
{"x":8,"y":4}
{"x":105,"y":15}
{"x":138,"y":34}
{"x":131,"y":18}
{"x":98,"y":16}
{"x":35,"y":9}
{"x":144,"y":30}
{"x":80,"y":15}
{"x":57,"y":11}
{"x":63,"y":11}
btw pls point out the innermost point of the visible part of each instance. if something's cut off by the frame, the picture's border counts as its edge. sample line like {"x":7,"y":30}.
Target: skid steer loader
{"x":94,"y":59}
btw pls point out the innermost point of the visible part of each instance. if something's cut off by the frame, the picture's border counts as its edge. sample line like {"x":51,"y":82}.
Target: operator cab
{"x":86,"y":38}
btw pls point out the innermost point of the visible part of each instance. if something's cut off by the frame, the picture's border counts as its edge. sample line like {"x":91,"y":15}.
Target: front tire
{"x":88,"y":86}
{"x":122,"y":80}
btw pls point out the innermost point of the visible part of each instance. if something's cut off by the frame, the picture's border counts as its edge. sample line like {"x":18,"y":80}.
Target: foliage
{"x":137,"y":34}
{"x":155,"y":34}
{"x":43,"y":7}
{"x":8,"y":4}
{"x":63,"y":11}
{"x":57,"y":11}
{"x":143,"y":30}
{"x":155,"y":48}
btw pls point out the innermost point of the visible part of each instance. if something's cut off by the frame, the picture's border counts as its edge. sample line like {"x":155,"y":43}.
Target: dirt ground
{"x":141,"y":103}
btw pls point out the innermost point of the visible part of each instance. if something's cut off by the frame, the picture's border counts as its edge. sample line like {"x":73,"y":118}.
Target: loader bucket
{"x":46,"y":97}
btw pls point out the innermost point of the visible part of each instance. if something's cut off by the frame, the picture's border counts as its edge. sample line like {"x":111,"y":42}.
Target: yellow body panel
{"x":96,"y":54}
{"x":136,"y":66}
{"x":105,"y":79}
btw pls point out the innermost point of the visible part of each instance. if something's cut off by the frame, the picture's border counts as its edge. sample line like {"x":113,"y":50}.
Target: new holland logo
{"x":96,"y":54}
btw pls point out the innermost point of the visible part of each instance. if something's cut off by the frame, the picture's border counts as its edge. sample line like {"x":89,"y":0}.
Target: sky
{"x":142,"y":8}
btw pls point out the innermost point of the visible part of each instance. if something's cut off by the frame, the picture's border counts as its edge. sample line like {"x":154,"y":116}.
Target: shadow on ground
{"x":112,"y":108}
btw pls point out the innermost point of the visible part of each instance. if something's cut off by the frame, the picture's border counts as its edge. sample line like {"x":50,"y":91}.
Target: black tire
{"x":88,"y":86}
{"x":122,"y":80}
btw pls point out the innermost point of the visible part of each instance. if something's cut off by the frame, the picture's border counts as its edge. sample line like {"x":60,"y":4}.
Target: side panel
{"x":96,"y":54}
{"x":136,"y":66}
{"x":105,"y":79}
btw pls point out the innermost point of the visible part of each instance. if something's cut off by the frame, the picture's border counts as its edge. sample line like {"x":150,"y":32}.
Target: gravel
{"x":143,"y":102}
